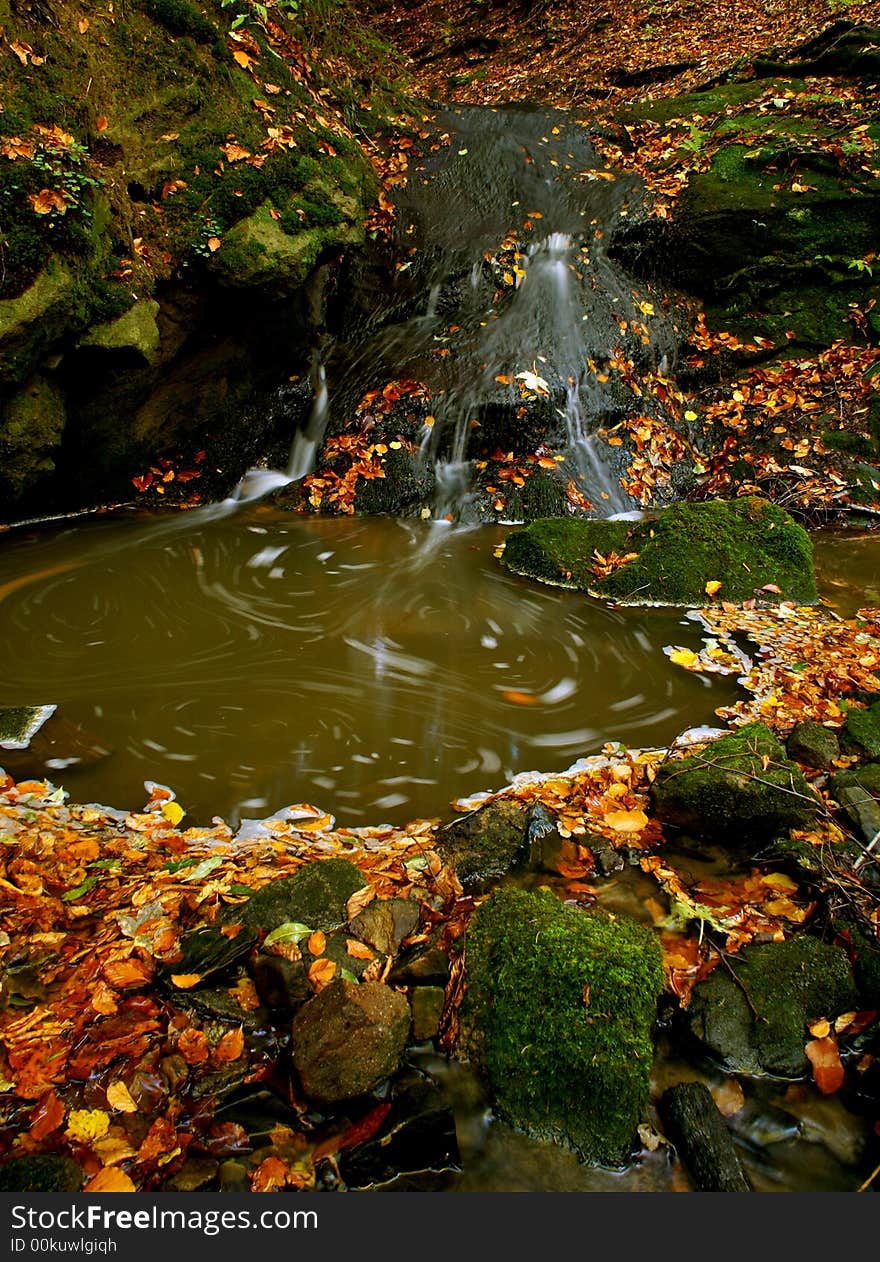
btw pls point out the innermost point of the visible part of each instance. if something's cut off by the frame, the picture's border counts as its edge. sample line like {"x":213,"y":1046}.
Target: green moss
{"x":559,"y":1011}
{"x":31,"y":427}
{"x":41,"y":1173}
{"x":741,"y":786}
{"x":743,"y":544}
{"x":787,"y":984}
{"x":861,"y":731}
{"x":316,"y":895}
{"x":181,"y":18}
{"x":485,"y":845}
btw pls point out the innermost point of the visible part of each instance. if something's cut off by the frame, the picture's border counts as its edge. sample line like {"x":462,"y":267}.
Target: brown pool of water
{"x":375,"y":667}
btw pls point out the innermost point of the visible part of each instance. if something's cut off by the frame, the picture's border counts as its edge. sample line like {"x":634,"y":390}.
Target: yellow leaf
{"x":626,"y":821}
{"x":712,"y":587}
{"x":242,"y":58}
{"x":83,"y":25}
{"x":690,"y":416}
{"x":779,"y":881}
{"x":820,"y":1029}
{"x":173,"y":812}
{"x":684,"y":657}
{"x":119,"y":1098}
{"x":84,"y":1125}
{"x":110,"y":1180}
{"x":213,"y":244}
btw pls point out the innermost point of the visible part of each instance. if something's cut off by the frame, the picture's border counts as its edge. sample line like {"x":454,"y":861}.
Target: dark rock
{"x":348,"y":1039}
{"x":704,"y":1143}
{"x":427,"y":1009}
{"x":234,"y":1177}
{"x":608,"y":860}
{"x":788,"y":984}
{"x":558,"y":1014}
{"x":336,"y":949}
{"x":281,"y":984}
{"x":813,"y":745}
{"x":728,"y":792}
{"x":485,"y":845}
{"x":316,"y":895}
{"x":195,"y":1173}
{"x":45,"y":1172}
{"x":206,"y":951}
{"x":384,"y":923}
{"x":424,"y":966}
{"x":418,"y":1134}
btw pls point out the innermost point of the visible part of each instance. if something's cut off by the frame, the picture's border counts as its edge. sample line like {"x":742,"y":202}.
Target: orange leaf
{"x":46,"y":1117}
{"x":110,"y":1179}
{"x":828,"y":1072}
{"x":47,"y":201}
{"x":193,"y":1046}
{"x":242,"y":58}
{"x":214,"y":244}
{"x":322,"y":973}
{"x":101,"y":122}
{"x":520,"y":698}
{"x":626,"y":821}
{"x":230,"y":1046}
{"x":185,"y":981}
{"x":127,"y":974}
{"x":270,"y":1175}
{"x":317,"y":943}
{"x":357,"y":950}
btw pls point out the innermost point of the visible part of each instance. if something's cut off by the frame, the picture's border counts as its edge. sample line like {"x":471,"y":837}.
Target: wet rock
{"x":316,"y":895}
{"x":19,"y":724}
{"x":384,"y":923}
{"x":42,"y":1173}
{"x":703,"y":1141}
{"x":427,"y":1009}
{"x":135,"y":331}
{"x":234,"y":1177}
{"x":861,"y":732}
{"x":348,"y":1039}
{"x":195,"y":1173}
{"x":58,"y":744}
{"x":259,"y":254}
{"x":813,"y":745}
{"x":206,"y":951}
{"x":740,"y":786}
{"x":281,"y":984}
{"x":558,"y":1013}
{"x":31,"y":428}
{"x":787,"y":984}
{"x":29,"y":322}
{"x":419,"y":1134}
{"x":485,"y":845}
{"x":744,"y":544}
{"x":858,"y":793}
{"x":427,"y":965}
{"x":608,"y":860}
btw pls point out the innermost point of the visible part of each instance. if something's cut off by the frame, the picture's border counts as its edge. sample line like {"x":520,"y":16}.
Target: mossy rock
{"x":135,"y":330}
{"x":485,"y":845}
{"x":861,"y":732}
{"x":741,"y":786}
{"x":19,"y":724}
{"x":316,"y":895}
{"x":813,"y":745}
{"x":744,"y":544}
{"x":31,"y":429}
{"x":408,"y":484}
{"x":558,"y":1013}
{"x":788,"y":984}
{"x":31,"y":321}
{"x":858,"y":793}
{"x":44,"y":1172}
{"x":259,"y":254}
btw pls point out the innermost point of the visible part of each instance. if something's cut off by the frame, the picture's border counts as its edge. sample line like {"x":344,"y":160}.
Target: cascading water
{"x":510,"y":308}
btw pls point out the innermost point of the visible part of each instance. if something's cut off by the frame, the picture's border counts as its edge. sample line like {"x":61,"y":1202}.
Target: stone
{"x":740,"y":786}
{"x":348,"y":1039}
{"x":485,"y":845}
{"x":426,"y":965}
{"x":316,"y":895}
{"x":135,"y":330}
{"x":29,"y":322}
{"x":813,"y":745}
{"x":857,"y":791}
{"x":427,"y":1009}
{"x":44,"y":1172}
{"x":788,"y":984}
{"x":280,"y":983}
{"x":861,"y":732}
{"x":745,"y":544}
{"x":558,"y":1015}
{"x":195,"y":1173}
{"x":19,"y":724}
{"x":257,"y":253}
{"x":206,"y":951}
{"x":31,"y":427}
{"x":385,"y":922}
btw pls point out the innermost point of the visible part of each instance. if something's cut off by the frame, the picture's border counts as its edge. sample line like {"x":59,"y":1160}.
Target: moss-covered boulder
{"x":558,"y":1013}
{"x":316,"y":895}
{"x":745,"y":545}
{"x":258,"y":253}
{"x":813,"y":745}
{"x":485,"y":845}
{"x":740,"y":786}
{"x":19,"y":724}
{"x":861,"y":732}
{"x":756,"y":1024}
{"x":135,"y":330}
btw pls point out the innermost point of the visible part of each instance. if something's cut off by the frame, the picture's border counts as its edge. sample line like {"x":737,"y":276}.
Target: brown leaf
{"x":270,"y":1175}
{"x":322,"y":973}
{"x":317,"y":943}
{"x":46,"y":1117}
{"x":193,"y":1046}
{"x":358,"y":951}
{"x":230,"y":1046}
{"x":101,"y":122}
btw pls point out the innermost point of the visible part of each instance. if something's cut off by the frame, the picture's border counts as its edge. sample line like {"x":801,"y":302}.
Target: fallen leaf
{"x":185,"y":981}
{"x":357,"y":950}
{"x":110,"y":1179}
{"x":317,"y":943}
{"x":101,"y":122}
{"x":231,"y":1045}
{"x":824,"y":1056}
{"x":84,"y":1125}
{"x":626,"y":821}
{"x":119,"y":1098}
{"x":322,"y":972}
{"x":712,"y":587}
